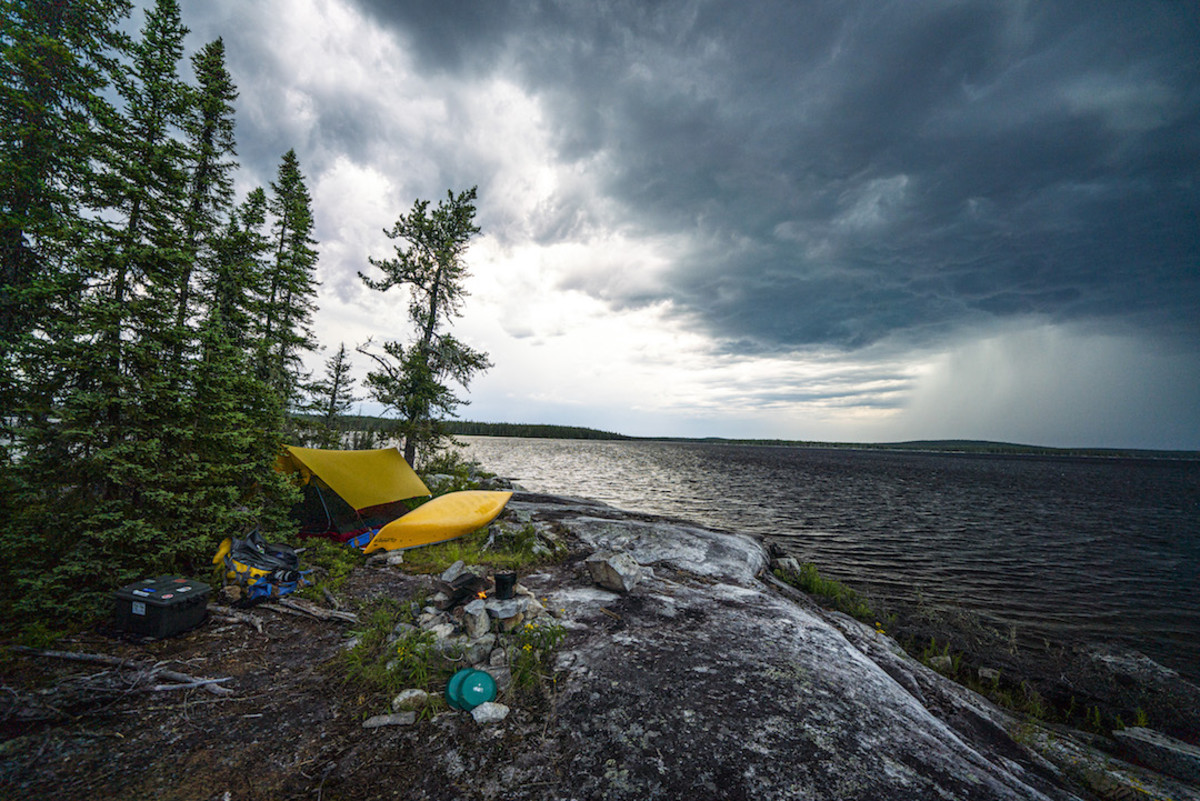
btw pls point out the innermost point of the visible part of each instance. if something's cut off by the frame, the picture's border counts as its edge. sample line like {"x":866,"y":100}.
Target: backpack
{"x":265,"y":569}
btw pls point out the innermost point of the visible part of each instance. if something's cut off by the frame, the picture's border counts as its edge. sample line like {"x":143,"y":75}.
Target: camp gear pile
{"x":265,"y":569}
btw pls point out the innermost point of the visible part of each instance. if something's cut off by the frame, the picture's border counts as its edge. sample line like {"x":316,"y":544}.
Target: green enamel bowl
{"x":468,"y":688}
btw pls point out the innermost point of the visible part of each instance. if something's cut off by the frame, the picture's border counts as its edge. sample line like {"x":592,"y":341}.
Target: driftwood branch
{"x":332,"y":599}
{"x":208,"y":685}
{"x":299,"y":607}
{"x":205,"y":683}
{"x":234,"y":614}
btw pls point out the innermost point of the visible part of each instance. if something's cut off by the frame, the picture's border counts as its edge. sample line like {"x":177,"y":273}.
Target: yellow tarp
{"x":361,"y":478}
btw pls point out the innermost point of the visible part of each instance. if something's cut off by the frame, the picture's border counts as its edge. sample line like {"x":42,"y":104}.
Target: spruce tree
{"x":331,"y":398}
{"x":104,"y":453}
{"x":210,"y":191}
{"x":290,"y":282}
{"x":412,"y":380}
{"x":236,"y":285}
{"x":58,"y":59}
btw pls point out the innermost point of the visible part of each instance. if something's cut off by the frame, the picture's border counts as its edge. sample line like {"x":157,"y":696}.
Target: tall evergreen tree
{"x":104,"y":457}
{"x":332,"y":396}
{"x":56,"y":60}
{"x":237,"y":436}
{"x":429,"y":263}
{"x":210,"y":192}
{"x":146,"y":254}
{"x":236,"y":286}
{"x":291,"y":283}
{"x":119,"y":251}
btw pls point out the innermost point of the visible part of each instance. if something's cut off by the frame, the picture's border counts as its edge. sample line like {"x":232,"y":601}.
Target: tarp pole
{"x":325,"y":506}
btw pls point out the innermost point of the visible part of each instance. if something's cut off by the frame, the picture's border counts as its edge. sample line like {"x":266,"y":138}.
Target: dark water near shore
{"x":1100,"y":551}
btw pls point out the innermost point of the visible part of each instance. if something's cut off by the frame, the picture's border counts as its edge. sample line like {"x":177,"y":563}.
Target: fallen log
{"x":205,"y":683}
{"x":299,"y":606}
{"x":208,"y":685}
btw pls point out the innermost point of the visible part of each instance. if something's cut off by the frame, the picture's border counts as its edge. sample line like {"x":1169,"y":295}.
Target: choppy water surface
{"x":1100,"y":550}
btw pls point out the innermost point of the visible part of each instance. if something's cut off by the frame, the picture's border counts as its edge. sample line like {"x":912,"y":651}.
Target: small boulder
{"x":501,"y":610}
{"x":394,"y":559}
{"x":510,"y":623}
{"x":478,"y":651}
{"x":451,"y":647}
{"x":409,"y":700}
{"x":442,"y":630}
{"x":394,"y":719}
{"x":489,"y":712}
{"x":476,"y":620}
{"x":788,"y":564}
{"x":503,"y":676}
{"x":941,"y":663}
{"x":454,"y":571}
{"x":619,"y":572}
{"x":429,"y":620}
{"x":989,"y":674}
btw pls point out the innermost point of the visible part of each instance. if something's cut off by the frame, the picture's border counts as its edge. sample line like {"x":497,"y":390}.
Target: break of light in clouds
{"x":835,"y":221}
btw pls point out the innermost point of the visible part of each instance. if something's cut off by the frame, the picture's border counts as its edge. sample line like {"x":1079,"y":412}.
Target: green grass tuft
{"x":510,"y":550}
{"x":531,"y":650}
{"x":829,"y":592}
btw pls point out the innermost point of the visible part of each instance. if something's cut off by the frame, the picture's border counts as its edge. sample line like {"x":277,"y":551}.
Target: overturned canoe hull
{"x":443,"y":518}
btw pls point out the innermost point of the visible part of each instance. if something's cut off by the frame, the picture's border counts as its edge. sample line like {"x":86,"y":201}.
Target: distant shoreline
{"x":982,"y":447}
{"x":976,"y":447}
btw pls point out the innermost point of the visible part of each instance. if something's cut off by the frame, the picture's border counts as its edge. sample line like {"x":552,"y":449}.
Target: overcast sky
{"x":860,"y":221}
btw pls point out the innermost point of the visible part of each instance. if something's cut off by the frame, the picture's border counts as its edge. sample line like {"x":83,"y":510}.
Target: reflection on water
{"x":1062,"y":548}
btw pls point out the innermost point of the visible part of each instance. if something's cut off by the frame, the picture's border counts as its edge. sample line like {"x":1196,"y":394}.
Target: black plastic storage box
{"x":161,"y":607}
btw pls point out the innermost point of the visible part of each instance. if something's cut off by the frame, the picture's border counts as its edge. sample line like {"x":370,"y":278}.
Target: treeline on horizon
{"x":377,"y":425}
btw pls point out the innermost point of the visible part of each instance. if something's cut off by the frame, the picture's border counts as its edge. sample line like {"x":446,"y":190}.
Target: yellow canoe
{"x":443,"y":518}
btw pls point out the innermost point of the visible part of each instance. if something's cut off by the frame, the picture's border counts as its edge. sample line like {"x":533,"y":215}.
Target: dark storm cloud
{"x":854,"y":171}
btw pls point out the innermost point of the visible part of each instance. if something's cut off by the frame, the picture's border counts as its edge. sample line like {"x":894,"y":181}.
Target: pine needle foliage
{"x":139,"y":426}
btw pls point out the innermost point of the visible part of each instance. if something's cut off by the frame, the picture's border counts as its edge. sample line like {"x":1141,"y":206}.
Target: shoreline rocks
{"x":703,"y":655}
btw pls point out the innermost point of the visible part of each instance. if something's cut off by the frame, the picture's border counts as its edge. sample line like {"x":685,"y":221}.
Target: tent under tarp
{"x":350,"y":493}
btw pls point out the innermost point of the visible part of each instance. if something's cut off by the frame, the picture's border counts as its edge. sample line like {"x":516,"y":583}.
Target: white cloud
{"x":567,"y":277}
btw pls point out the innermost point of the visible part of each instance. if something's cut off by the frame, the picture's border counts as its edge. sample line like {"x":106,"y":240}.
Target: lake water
{"x":1102,"y":551}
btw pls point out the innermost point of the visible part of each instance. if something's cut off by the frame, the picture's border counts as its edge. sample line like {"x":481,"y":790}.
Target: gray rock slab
{"x":690,"y":548}
{"x":772,"y":694}
{"x":706,"y":682}
{"x":1163,"y":753}
{"x":394,"y":719}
